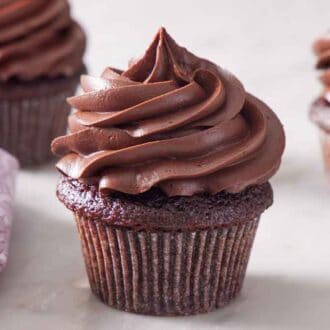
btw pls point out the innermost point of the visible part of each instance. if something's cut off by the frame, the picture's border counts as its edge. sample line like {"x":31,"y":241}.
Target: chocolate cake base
{"x":166,"y":272}
{"x":325,"y":147}
{"x":32,"y":114}
{"x":154,"y":210}
{"x":320,"y":115}
{"x":159,"y":255}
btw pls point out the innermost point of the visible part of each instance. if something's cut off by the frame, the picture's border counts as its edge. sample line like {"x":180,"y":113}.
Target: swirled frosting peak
{"x":172,"y":120}
{"x":38,"y":38}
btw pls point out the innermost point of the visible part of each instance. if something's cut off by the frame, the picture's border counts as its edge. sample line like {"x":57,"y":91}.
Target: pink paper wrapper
{"x":8,"y":169}
{"x":325,"y":145}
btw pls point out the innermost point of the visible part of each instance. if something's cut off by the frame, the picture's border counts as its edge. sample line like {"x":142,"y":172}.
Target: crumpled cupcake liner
{"x":8,"y":169}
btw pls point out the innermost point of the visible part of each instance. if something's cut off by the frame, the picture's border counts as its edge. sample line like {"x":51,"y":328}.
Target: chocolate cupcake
{"x":166,"y":170}
{"x":41,"y":50}
{"x":320,"y":109}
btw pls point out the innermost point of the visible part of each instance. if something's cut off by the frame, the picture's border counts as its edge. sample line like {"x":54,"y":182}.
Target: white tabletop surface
{"x":267,"y":45}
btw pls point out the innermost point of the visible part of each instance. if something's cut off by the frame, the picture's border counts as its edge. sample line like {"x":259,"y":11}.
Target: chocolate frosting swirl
{"x":321,"y":49}
{"x":171,"y":120}
{"x":39,"y":39}
{"x":319,"y":112}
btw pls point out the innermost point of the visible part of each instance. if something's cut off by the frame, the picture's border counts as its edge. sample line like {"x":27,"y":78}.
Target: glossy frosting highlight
{"x":171,"y":120}
{"x":39,"y":39}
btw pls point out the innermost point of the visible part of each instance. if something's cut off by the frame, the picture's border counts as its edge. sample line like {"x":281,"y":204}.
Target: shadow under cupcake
{"x":41,"y":50}
{"x":166,"y":169}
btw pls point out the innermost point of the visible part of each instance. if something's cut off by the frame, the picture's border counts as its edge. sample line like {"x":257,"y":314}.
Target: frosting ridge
{"x":171,"y":120}
{"x":319,"y":112}
{"x":39,"y":39}
{"x":321,"y":49}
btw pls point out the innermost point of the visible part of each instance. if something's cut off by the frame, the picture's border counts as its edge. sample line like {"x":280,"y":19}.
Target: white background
{"x":267,"y":44}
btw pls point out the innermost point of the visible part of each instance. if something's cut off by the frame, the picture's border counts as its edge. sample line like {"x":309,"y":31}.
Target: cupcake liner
{"x":325,"y":145}
{"x":8,"y":169}
{"x":166,"y":272}
{"x":28,"y":124}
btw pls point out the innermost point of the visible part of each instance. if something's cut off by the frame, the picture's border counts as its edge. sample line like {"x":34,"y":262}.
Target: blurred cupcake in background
{"x":320,"y":109}
{"x":41,"y":51}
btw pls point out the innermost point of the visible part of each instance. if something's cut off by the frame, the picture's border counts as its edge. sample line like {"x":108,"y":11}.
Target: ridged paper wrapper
{"x":159,"y":272}
{"x":31,"y":116}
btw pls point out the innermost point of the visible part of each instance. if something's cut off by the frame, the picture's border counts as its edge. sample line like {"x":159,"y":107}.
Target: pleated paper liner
{"x":28,"y":124}
{"x":325,"y":145}
{"x":166,"y":272}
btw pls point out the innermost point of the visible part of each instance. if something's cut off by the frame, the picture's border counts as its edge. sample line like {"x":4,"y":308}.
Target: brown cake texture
{"x":156,"y":255}
{"x":154,"y":210}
